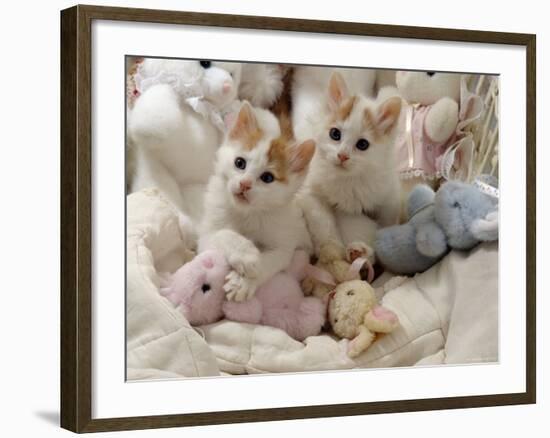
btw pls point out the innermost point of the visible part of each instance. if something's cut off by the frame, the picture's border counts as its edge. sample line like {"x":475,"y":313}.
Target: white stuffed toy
{"x":432,"y":141}
{"x":176,"y":115}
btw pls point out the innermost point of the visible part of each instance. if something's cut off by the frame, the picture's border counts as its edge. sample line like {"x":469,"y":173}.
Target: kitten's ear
{"x":387,"y":115}
{"x":245,"y":127}
{"x":301,"y":155}
{"x":337,"y":91}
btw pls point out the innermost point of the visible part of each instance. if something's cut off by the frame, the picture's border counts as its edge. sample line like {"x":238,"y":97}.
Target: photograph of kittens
{"x":274,"y":204}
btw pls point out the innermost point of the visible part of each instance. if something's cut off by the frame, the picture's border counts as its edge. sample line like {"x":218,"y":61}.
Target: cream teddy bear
{"x":332,"y":259}
{"x":354,"y":314}
{"x":334,"y":266}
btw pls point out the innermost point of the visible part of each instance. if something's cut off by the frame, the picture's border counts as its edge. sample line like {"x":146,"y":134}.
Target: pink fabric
{"x":420,"y":156}
{"x":356,"y":267}
{"x":425,"y":157}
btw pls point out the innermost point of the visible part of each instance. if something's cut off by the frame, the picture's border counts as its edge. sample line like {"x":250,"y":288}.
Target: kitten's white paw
{"x":360,"y":249}
{"x":238,"y":288}
{"x":246,"y":263}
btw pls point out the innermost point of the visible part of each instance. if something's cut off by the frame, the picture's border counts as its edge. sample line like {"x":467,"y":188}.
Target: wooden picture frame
{"x":76,"y":217}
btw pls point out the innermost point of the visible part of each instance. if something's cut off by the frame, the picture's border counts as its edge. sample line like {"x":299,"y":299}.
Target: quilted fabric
{"x":448,"y":314}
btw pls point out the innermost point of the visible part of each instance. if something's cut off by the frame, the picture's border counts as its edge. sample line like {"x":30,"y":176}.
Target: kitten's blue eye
{"x":205,"y":64}
{"x":240,"y":163}
{"x":267,"y":177}
{"x":430,"y":73}
{"x":362,"y":144}
{"x":335,"y":134}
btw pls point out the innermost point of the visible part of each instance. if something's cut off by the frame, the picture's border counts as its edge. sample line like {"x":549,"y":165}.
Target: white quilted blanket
{"x":448,"y":314}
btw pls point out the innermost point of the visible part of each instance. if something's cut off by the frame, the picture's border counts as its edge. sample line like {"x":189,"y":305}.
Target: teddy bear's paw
{"x":354,"y":350}
{"x":360,"y":249}
{"x":331,"y":251}
{"x":238,"y":288}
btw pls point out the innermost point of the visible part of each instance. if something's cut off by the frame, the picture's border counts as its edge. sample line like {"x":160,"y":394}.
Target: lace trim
{"x":190,"y":93}
{"x":487,"y":184}
{"x":419,"y":173}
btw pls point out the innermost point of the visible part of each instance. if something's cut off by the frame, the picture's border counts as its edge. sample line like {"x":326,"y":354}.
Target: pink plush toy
{"x":197,"y":288}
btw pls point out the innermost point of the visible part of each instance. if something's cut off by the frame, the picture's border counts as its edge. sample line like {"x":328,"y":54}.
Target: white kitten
{"x":309,"y":89}
{"x":352,"y":185}
{"x":250,"y":210}
{"x":173,"y":124}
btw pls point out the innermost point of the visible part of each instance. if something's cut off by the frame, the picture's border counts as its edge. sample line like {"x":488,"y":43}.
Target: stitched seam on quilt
{"x":428,"y":299}
{"x":405,"y":345}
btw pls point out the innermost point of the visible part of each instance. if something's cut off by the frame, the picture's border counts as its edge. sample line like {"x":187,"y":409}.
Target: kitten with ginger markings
{"x":250,"y":209}
{"x":352,"y":186}
{"x":309,"y":86}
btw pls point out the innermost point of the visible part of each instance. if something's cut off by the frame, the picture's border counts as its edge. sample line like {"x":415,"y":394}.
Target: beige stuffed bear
{"x":332,"y":259}
{"x":354,"y":314}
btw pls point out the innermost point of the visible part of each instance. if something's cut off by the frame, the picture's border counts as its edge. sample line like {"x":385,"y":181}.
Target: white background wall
{"x":29,"y":217}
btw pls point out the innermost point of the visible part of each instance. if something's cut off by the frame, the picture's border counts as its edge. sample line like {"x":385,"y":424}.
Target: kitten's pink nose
{"x":226,"y":87}
{"x":343,"y":157}
{"x":245,"y":185}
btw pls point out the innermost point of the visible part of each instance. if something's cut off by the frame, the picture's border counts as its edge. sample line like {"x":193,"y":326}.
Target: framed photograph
{"x":267,"y":218}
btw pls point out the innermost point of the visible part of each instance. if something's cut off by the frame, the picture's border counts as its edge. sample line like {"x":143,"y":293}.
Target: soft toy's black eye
{"x":267,"y":177}
{"x":240,"y":163}
{"x":456,"y":204}
{"x":335,"y":320}
{"x":335,"y":134}
{"x":430,"y":73}
{"x":205,"y":64}
{"x":205,"y":287}
{"x":362,"y":144}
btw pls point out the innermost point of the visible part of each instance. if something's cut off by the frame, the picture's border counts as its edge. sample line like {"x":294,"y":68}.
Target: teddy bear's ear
{"x":486,"y":229}
{"x":381,"y":319}
{"x":207,"y":262}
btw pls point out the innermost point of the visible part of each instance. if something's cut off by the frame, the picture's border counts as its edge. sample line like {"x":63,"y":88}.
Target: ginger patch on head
{"x":346,"y":108}
{"x":284,"y":158}
{"x":278,"y":159}
{"x":246,"y":129}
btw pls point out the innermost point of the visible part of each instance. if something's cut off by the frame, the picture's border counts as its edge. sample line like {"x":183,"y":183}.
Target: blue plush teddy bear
{"x":458,"y":216}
